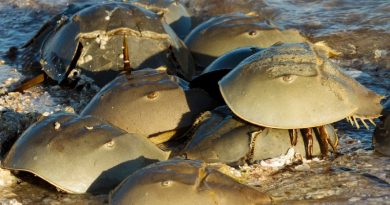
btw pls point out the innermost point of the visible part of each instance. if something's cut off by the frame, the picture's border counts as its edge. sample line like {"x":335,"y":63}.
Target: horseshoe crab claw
{"x":291,"y":86}
{"x":184,"y":182}
{"x":80,"y":154}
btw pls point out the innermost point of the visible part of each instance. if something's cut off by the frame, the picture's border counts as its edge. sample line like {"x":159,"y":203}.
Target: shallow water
{"x":358,"y":29}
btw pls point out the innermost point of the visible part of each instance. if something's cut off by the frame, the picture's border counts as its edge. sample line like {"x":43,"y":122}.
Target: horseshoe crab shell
{"x":32,"y":49}
{"x":247,"y":142}
{"x":184,"y":182}
{"x":290,"y":86}
{"x":208,"y":79}
{"x":80,"y":154}
{"x":149,"y":102}
{"x":219,"y":35}
{"x":97,"y":46}
{"x":175,"y":14}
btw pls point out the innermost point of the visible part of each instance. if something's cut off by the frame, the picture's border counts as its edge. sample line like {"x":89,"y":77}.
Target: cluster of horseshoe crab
{"x":236,"y":90}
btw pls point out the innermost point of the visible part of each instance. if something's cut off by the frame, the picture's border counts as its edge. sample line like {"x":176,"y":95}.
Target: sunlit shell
{"x":290,"y":86}
{"x":219,"y":35}
{"x":80,"y":154}
{"x":149,"y":102}
{"x":93,"y":39}
{"x":184,"y":182}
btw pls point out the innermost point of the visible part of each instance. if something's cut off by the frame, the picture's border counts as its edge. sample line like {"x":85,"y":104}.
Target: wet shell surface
{"x":149,"y":102}
{"x":98,"y":47}
{"x":290,"y":86}
{"x":184,"y":182}
{"x":224,"y":33}
{"x":175,"y":14}
{"x":208,"y":79}
{"x":220,"y":129}
{"x":80,"y":154}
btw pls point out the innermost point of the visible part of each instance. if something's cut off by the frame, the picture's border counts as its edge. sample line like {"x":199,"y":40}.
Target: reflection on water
{"x":357,"y":28}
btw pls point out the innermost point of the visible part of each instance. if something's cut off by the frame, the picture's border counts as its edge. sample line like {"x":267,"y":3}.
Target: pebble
{"x":6,"y":178}
{"x":57,"y":125}
{"x":354,"y":199}
{"x":320,"y":194}
{"x":46,"y":114}
{"x":9,"y":202}
{"x":69,"y":109}
{"x":302,"y":167}
{"x":89,"y":128}
{"x":380,"y":54}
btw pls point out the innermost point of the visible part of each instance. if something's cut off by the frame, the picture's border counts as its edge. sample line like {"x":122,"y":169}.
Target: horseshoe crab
{"x":149,"y":102}
{"x":247,"y":142}
{"x":208,"y":79}
{"x":292,"y":86}
{"x":184,"y":182}
{"x":121,"y":36}
{"x":80,"y":154}
{"x":219,"y":35}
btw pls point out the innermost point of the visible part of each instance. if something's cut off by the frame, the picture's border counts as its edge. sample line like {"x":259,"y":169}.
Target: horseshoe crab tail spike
{"x":126,"y":57}
{"x":29,"y":83}
{"x":364,"y":123}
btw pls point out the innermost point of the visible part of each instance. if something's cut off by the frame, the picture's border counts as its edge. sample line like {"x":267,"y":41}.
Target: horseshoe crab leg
{"x":307,"y":134}
{"x":293,"y":136}
{"x":335,"y":143}
{"x":323,"y":141}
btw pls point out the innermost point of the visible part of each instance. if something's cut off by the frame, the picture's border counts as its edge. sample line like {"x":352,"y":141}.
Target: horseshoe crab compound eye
{"x":166,"y":183}
{"x":252,"y":33}
{"x":288,"y":78}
